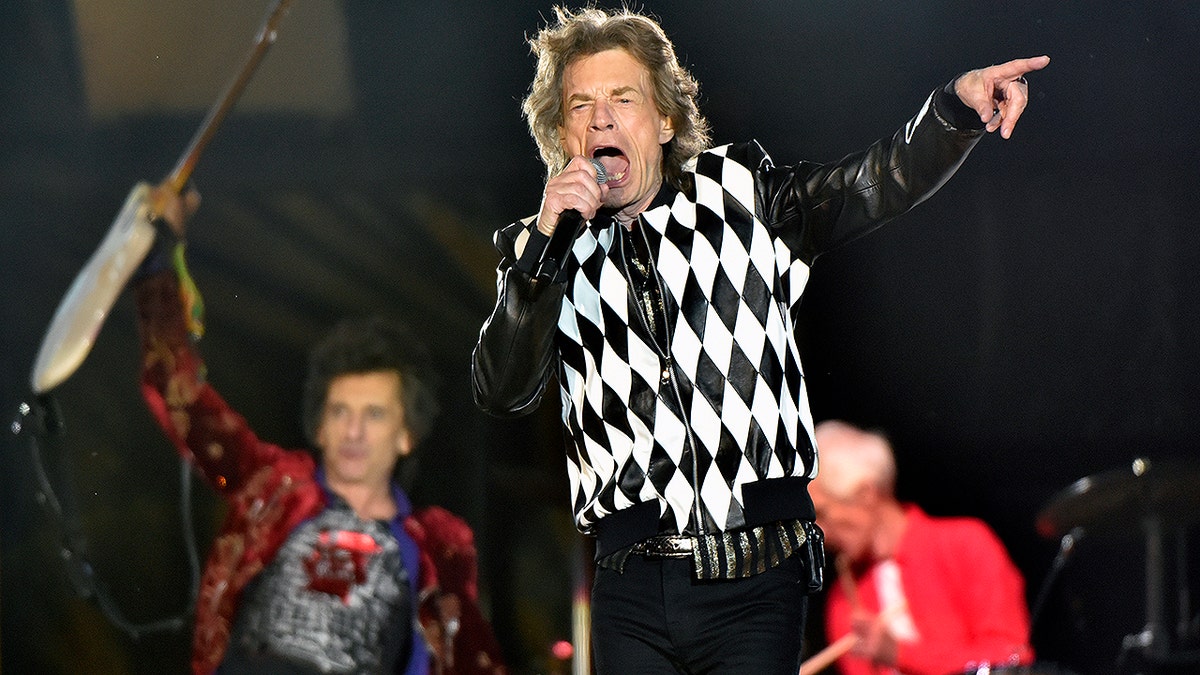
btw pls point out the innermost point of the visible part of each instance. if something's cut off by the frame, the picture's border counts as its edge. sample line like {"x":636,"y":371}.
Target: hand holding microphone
{"x":564,"y":187}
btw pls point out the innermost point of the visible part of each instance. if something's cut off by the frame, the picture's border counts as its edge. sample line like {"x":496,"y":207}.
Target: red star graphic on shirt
{"x":339,"y":561}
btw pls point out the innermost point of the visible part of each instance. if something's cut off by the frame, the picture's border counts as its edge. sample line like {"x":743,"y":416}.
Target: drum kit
{"x":1156,"y":503}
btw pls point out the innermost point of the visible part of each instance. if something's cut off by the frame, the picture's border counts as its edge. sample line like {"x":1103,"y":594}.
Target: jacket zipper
{"x":667,"y":362}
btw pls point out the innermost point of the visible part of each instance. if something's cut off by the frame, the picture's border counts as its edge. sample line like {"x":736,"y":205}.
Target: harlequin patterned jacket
{"x":710,"y":431}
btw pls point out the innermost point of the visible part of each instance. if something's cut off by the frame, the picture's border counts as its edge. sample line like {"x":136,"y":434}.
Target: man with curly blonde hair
{"x":668,"y":320}
{"x":590,"y":32}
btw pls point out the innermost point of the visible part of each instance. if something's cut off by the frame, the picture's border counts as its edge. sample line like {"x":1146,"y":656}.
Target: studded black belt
{"x":665,"y":546}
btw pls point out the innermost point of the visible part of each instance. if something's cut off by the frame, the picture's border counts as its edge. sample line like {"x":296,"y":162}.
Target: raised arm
{"x":192,"y":414}
{"x":817,"y":207}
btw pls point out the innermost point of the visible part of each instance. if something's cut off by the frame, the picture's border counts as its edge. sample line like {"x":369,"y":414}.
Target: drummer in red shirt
{"x":921,"y":595}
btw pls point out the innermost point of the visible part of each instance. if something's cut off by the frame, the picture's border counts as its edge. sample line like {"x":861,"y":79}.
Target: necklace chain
{"x":651,"y":296}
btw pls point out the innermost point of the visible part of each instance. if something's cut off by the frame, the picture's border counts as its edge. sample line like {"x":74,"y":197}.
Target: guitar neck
{"x":182,"y":172}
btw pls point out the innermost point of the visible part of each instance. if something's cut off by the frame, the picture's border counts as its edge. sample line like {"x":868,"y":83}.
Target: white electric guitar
{"x":91,"y":296}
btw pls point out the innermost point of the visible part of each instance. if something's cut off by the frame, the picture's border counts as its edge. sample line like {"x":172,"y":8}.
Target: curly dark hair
{"x":368,"y":345}
{"x":591,"y":31}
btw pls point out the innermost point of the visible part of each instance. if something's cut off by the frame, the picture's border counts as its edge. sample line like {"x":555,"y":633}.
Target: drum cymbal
{"x":1122,"y":498}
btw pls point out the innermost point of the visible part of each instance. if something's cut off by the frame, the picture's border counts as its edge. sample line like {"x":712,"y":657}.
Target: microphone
{"x":570,"y":222}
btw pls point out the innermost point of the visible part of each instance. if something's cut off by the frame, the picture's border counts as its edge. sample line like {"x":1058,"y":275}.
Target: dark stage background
{"x":1032,"y":324}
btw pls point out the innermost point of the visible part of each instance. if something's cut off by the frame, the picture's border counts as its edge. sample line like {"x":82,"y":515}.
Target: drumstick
{"x":822,"y":659}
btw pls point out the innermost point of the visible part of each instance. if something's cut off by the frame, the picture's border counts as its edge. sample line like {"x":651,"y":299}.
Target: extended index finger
{"x":1011,"y":70}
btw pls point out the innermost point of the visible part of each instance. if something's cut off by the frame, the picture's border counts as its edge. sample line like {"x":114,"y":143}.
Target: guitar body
{"x":86,"y":305}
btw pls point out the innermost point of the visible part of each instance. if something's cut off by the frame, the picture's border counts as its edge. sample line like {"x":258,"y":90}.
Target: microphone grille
{"x":601,"y":174}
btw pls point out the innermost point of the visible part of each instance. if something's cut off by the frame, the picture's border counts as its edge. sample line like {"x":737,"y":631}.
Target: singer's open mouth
{"x":616,"y":164}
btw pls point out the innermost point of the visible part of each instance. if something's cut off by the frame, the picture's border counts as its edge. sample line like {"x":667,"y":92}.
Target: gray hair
{"x":849,"y":457}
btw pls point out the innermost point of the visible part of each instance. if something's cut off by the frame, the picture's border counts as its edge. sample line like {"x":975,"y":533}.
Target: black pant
{"x":656,"y":618}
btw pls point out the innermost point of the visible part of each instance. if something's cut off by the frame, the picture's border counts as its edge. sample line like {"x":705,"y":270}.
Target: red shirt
{"x":964,"y":600}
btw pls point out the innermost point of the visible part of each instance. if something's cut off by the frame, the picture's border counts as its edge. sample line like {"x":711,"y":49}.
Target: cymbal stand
{"x":1151,"y":649}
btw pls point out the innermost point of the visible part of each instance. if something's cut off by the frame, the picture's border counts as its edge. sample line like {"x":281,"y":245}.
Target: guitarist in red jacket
{"x":321,"y":565}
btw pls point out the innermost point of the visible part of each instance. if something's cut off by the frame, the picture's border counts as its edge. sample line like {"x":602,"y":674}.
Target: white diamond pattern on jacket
{"x":736,"y":392}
